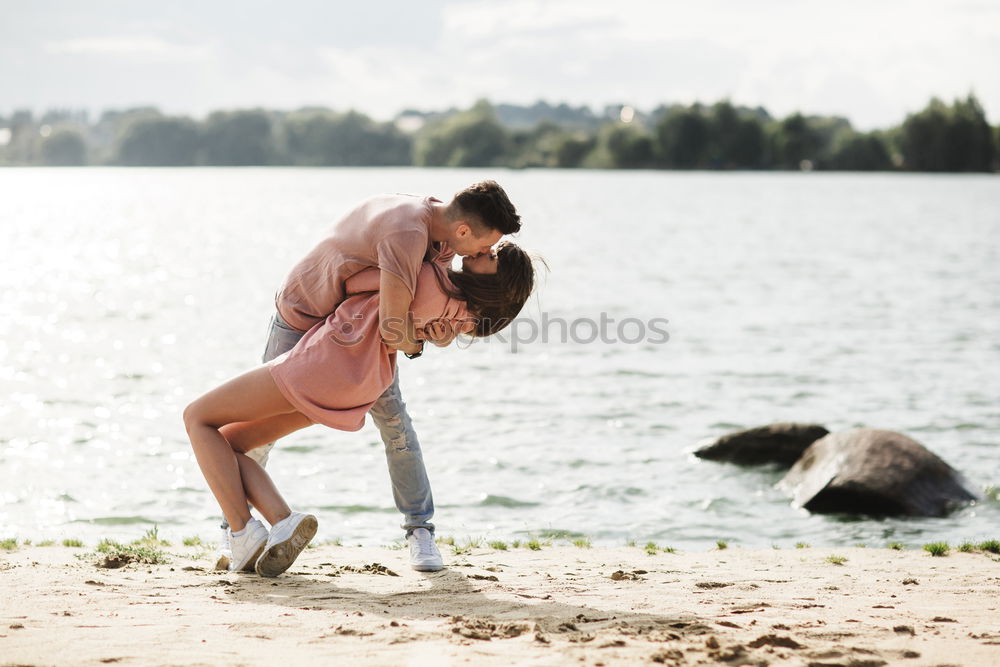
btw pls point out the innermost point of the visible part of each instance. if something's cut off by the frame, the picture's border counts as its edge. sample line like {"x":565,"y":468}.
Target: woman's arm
{"x":395,"y":320}
{"x":366,"y":280}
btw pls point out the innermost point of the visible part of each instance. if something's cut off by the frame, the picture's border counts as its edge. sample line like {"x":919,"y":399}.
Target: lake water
{"x":847,"y":300}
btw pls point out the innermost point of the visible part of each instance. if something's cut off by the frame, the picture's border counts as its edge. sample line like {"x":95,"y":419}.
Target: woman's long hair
{"x":495,"y":299}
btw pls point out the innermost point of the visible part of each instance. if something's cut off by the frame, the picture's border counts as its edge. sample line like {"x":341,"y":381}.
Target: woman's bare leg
{"x":260,"y":490}
{"x":257,"y":484}
{"x":249,"y":397}
{"x":244,"y":436}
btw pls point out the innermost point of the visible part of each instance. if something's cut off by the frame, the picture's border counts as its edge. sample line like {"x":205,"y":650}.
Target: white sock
{"x":239,"y":533}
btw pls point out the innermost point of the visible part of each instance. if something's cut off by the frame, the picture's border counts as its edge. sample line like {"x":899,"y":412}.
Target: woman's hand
{"x":440,"y":332}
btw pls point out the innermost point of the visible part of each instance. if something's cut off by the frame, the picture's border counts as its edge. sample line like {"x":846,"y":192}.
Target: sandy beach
{"x":560,"y":605}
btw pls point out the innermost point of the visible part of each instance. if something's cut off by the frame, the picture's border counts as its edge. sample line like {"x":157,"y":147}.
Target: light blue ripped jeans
{"x":410,"y":487}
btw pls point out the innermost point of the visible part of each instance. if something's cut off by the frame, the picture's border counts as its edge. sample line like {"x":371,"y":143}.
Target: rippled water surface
{"x":846,"y":300}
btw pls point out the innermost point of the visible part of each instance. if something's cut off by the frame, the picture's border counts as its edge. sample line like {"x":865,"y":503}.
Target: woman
{"x":331,"y":377}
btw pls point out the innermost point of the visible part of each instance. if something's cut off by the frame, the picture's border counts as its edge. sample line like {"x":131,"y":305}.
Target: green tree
{"x":238,"y":138}
{"x":683,"y":138}
{"x":861,"y":152}
{"x":65,"y":147}
{"x":737,"y":139}
{"x":104,"y":136}
{"x":571,"y":149}
{"x":158,"y":141}
{"x":23,"y":143}
{"x":924,"y":138}
{"x":622,"y":146}
{"x":324,"y":138}
{"x":942,"y":138}
{"x":970,"y":137}
{"x":472,"y":138}
{"x":797,"y":143}
{"x":996,"y":147}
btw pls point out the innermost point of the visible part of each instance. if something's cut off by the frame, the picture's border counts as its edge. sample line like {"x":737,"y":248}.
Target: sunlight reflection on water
{"x":842,"y":299}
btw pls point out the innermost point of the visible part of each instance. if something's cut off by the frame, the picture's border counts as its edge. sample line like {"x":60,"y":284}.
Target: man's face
{"x":465,"y":242}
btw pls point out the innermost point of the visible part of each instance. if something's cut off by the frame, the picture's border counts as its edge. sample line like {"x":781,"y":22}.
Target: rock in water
{"x":874,"y":472}
{"x":774,"y":443}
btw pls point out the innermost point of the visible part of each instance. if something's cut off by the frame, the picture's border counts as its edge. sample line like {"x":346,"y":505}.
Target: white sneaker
{"x":246,"y":546}
{"x":288,"y":538}
{"x":225,"y":552}
{"x":424,"y":554}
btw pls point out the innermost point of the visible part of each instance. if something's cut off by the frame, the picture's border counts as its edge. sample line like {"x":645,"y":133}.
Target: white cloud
{"x":871,"y":61}
{"x":142,"y":47}
{"x":485,"y":19}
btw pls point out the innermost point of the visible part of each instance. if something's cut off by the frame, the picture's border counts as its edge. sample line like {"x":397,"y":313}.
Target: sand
{"x":562,"y":605}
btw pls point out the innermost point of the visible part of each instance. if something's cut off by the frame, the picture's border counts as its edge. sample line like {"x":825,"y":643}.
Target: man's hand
{"x":440,"y":332}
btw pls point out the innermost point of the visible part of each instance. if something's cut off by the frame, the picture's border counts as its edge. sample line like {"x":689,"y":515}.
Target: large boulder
{"x":874,"y":472}
{"x":774,"y":443}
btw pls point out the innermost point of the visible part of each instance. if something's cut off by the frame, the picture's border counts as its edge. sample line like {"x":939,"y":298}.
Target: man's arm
{"x":395,"y":321}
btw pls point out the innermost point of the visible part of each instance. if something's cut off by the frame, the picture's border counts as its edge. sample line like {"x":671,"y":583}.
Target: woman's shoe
{"x":288,"y":538}
{"x":246,"y":546}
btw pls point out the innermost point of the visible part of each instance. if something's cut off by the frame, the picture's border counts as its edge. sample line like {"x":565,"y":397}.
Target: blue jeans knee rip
{"x":397,"y":442}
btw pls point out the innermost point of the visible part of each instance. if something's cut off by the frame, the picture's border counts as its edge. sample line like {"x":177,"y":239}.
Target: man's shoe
{"x":246,"y":546}
{"x":424,"y":554}
{"x":288,"y":538}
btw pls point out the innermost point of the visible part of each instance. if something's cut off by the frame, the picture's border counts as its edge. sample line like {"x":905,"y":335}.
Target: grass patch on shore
{"x":550,"y":534}
{"x":937,"y":548}
{"x":970,"y":547}
{"x":498,"y":545}
{"x":895,"y":546}
{"x":52,"y":543}
{"x":466,"y":548}
{"x":582,"y":543}
{"x":836,"y":560}
{"x":721,"y":544}
{"x":993,"y":546}
{"x":65,"y":543}
{"x":8,"y":543}
{"x":192,"y":542}
{"x":151,"y":538}
{"x":115,"y":554}
{"x":801,"y":545}
{"x":461,"y":549}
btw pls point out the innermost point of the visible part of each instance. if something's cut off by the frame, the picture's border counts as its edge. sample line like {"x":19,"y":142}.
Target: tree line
{"x":941,"y":137}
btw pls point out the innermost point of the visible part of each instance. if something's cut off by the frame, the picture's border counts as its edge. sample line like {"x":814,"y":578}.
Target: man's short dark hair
{"x":487,"y":203}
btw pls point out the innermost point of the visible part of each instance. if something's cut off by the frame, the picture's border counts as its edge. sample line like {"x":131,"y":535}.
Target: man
{"x":395,"y":233}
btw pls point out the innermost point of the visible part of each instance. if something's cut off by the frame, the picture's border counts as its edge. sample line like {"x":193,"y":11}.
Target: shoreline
{"x":558,"y":605}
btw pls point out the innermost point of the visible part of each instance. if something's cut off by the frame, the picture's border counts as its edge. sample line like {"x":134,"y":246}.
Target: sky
{"x":872,"y":61}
